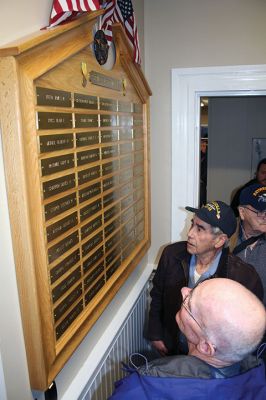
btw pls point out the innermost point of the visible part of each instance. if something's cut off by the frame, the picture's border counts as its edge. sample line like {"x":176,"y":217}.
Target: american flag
{"x":66,"y":10}
{"x":122,"y":11}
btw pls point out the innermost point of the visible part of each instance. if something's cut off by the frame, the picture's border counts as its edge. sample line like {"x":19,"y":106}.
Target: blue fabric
{"x":210,"y":271}
{"x":249,"y":386}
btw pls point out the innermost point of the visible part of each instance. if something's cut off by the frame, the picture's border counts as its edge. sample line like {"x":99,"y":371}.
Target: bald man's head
{"x":230,"y":316}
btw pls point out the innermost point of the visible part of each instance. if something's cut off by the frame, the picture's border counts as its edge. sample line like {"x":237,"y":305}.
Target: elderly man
{"x":249,"y":241}
{"x":186,"y":263}
{"x":224,"y":323}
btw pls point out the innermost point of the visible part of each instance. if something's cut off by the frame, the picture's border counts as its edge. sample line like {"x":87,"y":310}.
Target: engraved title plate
{"x":55,"y":164}
{"x":56,"y":142}
{"x":106,"y":81}
{"x":52,"y":120}
{"x":84,"y":101}
{"x":59,"y":185}
{"x":53,"y":97}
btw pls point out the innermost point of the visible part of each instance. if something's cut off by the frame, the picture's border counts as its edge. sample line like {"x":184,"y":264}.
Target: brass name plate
{"x":112,"y":256}
{"x":137,"y":121}
{"x":87,"y":138}
{"x":110,"y":167}
{"x":111,"y":227}
{"x":126,"y":189}
{"x":110,"y":213}
{"x":137,"y":107}
{"x":89,"y":192}
{"x":138,"y":170}
{"x":125,"y":175}
{"x":109,"y":136}
{"x":108,"y":104}
{"x":62,"y":226}
{"x":58,"y":185}
{"x":125,"y":120}
{"x":93,"y":275}
{"x":127,"y":201}
{"x":51,"y":143}
{"x":62,"y":308}
{"x":94,"y":290}
{"x":63,"y":287}
{"x":53,"y":97}
{"x":138,"y":145}
{"x":138,"y":133}
{"x":59,"y":206}
{"x":109,"y":199}
{"x":125,"y":148}
{"x":92,"y":243}
{"x":114,"y":240}
{"x":89,"y":174}
{"x":109,"y":152}
{"x":125,"y":134}
{"x":61,"y":268}
{"x":138,"y":157}
{"x":90,"y":210}
{"x":92,"y":260}
{"x":124,"y":106}
{"x":84,"y":101}
{"x":112,"y":269}
{"x":106,"y":81}
{"x":89,"y":228}
{"x":110,"y":183}
{"x":63,"y":246}
{"x":52,"y":120}
{"x":56,"y":164}
{"x":89,"y":156}
{"x":108,"y":120}
{"x":86,"y":120}
{"x":126,"y":215}
{"x":65,"y":324}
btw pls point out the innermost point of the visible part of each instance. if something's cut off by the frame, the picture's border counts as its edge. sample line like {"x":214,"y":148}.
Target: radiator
{"x":129,"y":340}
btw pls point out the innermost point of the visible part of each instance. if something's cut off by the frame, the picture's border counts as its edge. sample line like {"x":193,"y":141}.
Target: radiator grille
{"x":128,"y":340}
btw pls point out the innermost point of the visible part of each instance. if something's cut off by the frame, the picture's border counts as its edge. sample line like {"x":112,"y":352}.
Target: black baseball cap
{"x":255,"y":196}
{"x":219,"y":214}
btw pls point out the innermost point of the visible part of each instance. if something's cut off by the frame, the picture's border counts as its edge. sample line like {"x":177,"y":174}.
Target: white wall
{"x":190,"y":33}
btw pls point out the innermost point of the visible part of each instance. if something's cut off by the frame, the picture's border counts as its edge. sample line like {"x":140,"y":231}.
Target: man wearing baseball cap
{"x":204,"y":255}
{"x":249,"y":241}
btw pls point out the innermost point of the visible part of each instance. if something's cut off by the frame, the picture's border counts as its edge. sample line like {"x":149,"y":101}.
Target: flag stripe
{"x":64,"y":10}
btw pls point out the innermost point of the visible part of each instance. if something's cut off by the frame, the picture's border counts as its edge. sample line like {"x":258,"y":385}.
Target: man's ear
{"x":205,"y":347}
{"x":241,"y":211}
{"x":220,"y":240}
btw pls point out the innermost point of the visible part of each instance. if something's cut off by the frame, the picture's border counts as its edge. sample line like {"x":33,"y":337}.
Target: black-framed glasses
{"x":260,"y":214}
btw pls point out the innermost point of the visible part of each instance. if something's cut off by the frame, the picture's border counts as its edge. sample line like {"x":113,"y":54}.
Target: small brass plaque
{"x":110,"y":167}
{"x":53,"y":97}
{"x":126,"y":215}
{"x":90,"y":210}
{"x":128,"y":250}
{"x":106,"y":81}
{"x":108,"y":120}
{"x":110,"y":183}
{"x":125,"y":148}
{"x":114,"y":240}
{"x":51,"y":143}
{"x":89,"y":174}
{"x":109,"y":152}
{"x":63,"y":286}
{"x":124,"y":106}
{"x":138,"y":145}
{"x":137,"y":107}
{"x":112,"y":256}
{"x":126,"y":161}
{"x":86,"y":120}
{"x":89,"y":192}
{"x":125,"y":134}
{"x":138,"y":157}
{"x":111,"y":227}
{"x":139,"y":194}
{"x":84,"y":101}
{"x":89,"y":156}
{"x":92,"y":243}
{"x":138,"y":182}
{"x":61,"y":247}
{"x":129,"y":238}
{"x":113,"y":268}
{"x":108,"y":104}
{"x":87,"y":138}
{"x":89,"y":279}
{"x":52,"y":120}
{"x":94,"y":290}
{"x":59,"y":206}
{"x":125,"y":120}
{"x":89,"y":228}
{"x":126,"y":189}
{"x":109,"y":214}
{"x":70,"y":318}
{"x":55,"y":164}
{"x":128,"y":227}
{"x":63,"y":307}
{"x":125,"y":175}
{"x":93,"y":259}
{"x":61,"y":268}
{"x":127,"y":201}
{"x":109,"y":136}
{"x":62,"y":226}
{"x":109,"y":199}
{"x":139,"y":217}
{"x":59,"y":185}
{"x":138,"y":170}
{"x":137,"y":121}
{"x":138,"y":133}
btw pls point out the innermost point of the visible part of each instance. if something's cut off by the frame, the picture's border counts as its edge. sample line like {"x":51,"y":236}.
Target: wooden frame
{"x":51,"y":60}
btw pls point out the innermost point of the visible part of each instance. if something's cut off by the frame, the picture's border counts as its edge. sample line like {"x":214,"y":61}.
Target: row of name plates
{"x":93,"y":193}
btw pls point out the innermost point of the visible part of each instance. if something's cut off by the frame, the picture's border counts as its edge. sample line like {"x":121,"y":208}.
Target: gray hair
{"x":216,"y":232}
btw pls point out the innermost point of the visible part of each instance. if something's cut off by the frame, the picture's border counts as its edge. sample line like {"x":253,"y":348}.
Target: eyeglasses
{"x":186,"y":299}
{"x":260,"y":214}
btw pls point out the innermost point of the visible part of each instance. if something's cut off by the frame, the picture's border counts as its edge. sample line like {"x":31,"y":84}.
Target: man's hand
{"x":160,"y":346}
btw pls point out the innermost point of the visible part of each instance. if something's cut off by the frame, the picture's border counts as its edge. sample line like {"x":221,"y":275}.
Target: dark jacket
{"x":172,"y":274}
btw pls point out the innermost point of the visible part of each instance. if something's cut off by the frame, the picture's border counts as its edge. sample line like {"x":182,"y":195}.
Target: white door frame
{"x":188,"y":85}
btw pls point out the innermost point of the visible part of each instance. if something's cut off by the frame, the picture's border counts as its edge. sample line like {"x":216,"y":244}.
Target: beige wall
{"x":190,"y":33}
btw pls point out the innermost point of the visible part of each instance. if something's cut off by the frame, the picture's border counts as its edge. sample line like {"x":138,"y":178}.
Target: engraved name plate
{"x":112,"y":256}
{"x":126,"y":215}
{"x":109,"y":199}
{"x":86,"y":120}
{"x":56,"y":164}
{"x":63,"y":307}
{"x":59,"y":206}
{"x":110,"y":183}
{"x":125,"y":134}
{"x":109,"y":136}
{"x":92,"y":243}
{"x":84,"y":101}
{"x":109,"y":152}
{"x":51,"y":143}
{"x":92,"y":259}
{"x":89,"y":174}
{"x":90,"y":209}
{"x":61,"y":268}
{"x":59,"y":185}
{"x":108,"y":120}
{"x":111,"y":213}
{"x":113,"y":268}
{"x":64,"y":245}
{"x":89,"y":192}
{"x":110,"y":167}
{"x":124,"y":106}
{"x":52,"y":120}
{"x":87,"y":138}
{"x":109,"y":229}
{"x":62,"y":226}
{"x":89,"y":228}
{"x":114,"y":240}
{"x":53,"y":97}
{"x":108,"y":104}
{"x":106,"y":81}
{"x":89,"y":156}
{"x":89,"y":279}
{"x":65,"y":324}
{"x":63,"y":286}
{"x":94,"y":290}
